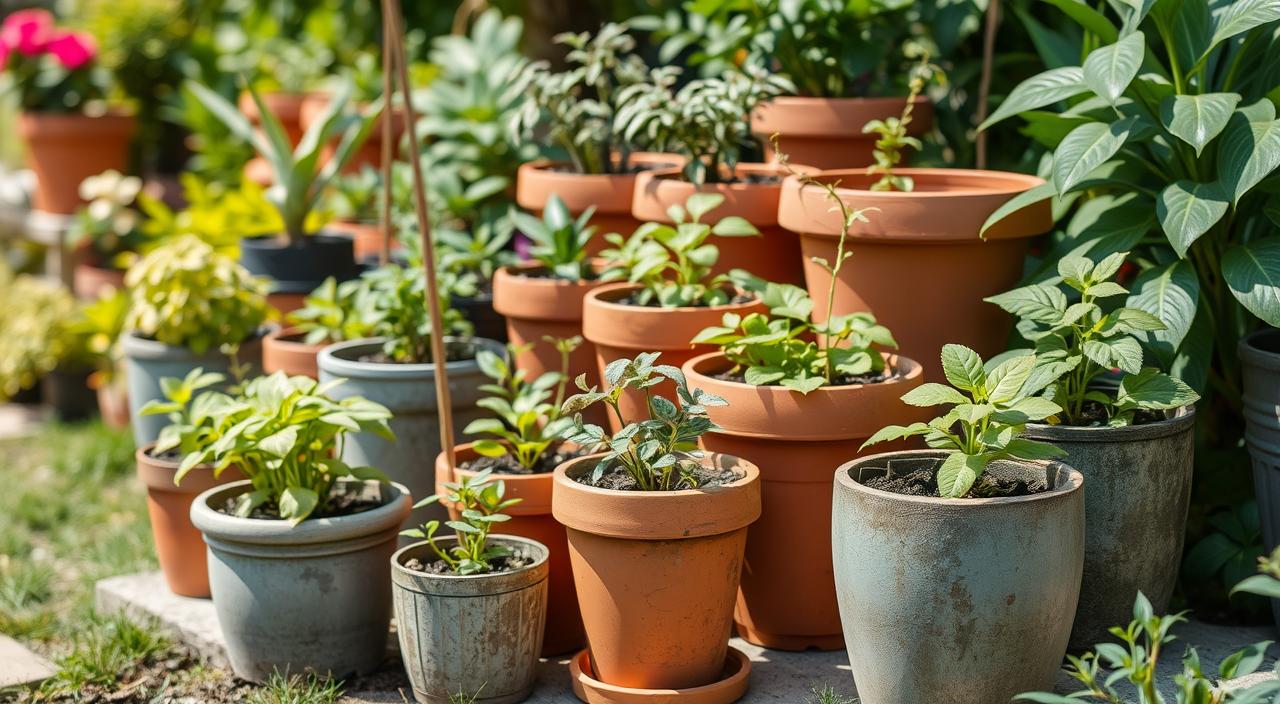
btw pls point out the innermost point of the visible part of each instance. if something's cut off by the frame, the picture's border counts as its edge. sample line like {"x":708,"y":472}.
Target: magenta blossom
{"x":27,"y":31}
{"x":73,"y":49}
{"x":4,"y":54}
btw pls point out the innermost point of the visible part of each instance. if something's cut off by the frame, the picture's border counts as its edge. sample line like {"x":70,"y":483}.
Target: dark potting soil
{"x":631,"y":301}
{"x":924,"y":482}
{"x":632,"y":168}
{"x":507,"y":464}
{"x":616,"y":478}
{"x":170,"y":455}
{"x":1094,"y":415}
{"x":548,"y":274}
{"x":751,"y":179}
{"x":457,"y":352}
{"x":503,"y":564}
{"x":842,"y":380}
{"x":350,"y":501}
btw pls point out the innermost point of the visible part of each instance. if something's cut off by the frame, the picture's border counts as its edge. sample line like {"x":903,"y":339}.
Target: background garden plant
{"x":558,"y":241}
{"x":527,"y":418}
{"x":480,"y":502}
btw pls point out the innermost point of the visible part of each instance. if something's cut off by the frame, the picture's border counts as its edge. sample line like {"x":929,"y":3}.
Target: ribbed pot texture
{"x":1260,"y":358}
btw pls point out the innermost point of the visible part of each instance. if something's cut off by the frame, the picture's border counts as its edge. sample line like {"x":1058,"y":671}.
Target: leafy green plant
{"x":559,"y":241}
{"x":217,"y":214}
{"x":481,"y":504}
{"x":191,"y":414}
{"x":107,"y":225}
{"x":891,"y":133}
{"x":990,"y":406}
{"x":672,"y":263}
{"x":391,"y":303}
{"x":1230,"y":551}
{"x":35,"y":335}
{"x":97,"y":329}
{"x":329,"y":313}
{"x":658,"y":452}
{"x":357,"y":197}
{"x":1268,"y":582}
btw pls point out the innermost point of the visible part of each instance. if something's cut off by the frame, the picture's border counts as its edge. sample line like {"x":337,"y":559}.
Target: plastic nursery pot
{"x":179,"y":545}
{"x":619,"y":330}
{"x":627,"y":546}
{"x":286,"y":350}
{"x":67,"y":393}
{"x":982,"y":590}
{"x":1137,"y":490}
{"x":773,"y":256}
{"x":532,"y":519}
{"x":476,"y":634}
{"x":797,"y":441}
{"x":298,"y":269}
{"x":1260,"y":359}
{"x":409,"y":391}
{"x":65,"y":149}
{"x":826,"y":133}
{"x":369,"y":153}
{"x":919,"y":264}
{"x":307,"y":597}
{"x":148,"y":361}
{"x":366,"y":238}
{"x":479,"y":311}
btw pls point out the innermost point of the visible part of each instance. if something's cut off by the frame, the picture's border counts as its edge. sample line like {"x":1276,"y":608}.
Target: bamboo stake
{"x":984,"y":84}
{"x":394,"y":59}
{"x":388,"y":109}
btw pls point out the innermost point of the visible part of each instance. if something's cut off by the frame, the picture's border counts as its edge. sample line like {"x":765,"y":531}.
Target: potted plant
{"x":100,"y":326}
{"x":217,"y":213}
{"x":43,"y":348}
{"x":652,"y":515}
{"x":473,"y":604}
{"x":69,"y":131}
{"x":355,"y":200}
{"x":947,"y":555}
{"x":285,"y":69}
{"x":365,"y":72}
{"x":104,"y":233}
{"x":329,"y":314}
{"x":188,"y":307}
{"x":703,"y":122}
{"x":669,"y":294}
{"x":300,"y":551}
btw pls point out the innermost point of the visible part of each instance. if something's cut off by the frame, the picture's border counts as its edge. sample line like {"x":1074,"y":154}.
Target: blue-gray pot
{"x":1260,"y":359}
{"x":964,"y":600}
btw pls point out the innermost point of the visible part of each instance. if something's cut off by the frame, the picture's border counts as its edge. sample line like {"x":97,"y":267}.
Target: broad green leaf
{"x":963,"y":368}
{"x":1005,"y":382}
{"x":896,"y":432}
{"x":1152,"y":389}
{"x":1115,"y":353}
{"x":1197,"y":119}
{"x":1252,"y":272}
{"x":1086,"y":148}
{"x":1260,"y":584}
{"x":1028,"y":409}
{"x":1170,"y":293}
{"x":1187,"y":210}
{"x":734,"y":226}
{"x":700,"y":204}
{"x":1024,"y":199}
{"x":296,"y":503}
{"x":1109,"y":70}
{"x":1244,"y":662}
{"x":281,"y":443}
{"x":1038,"y":91}
{"x":1039,"y":302}
{"x":1026,"y":449}
{"x":1243,"y":15}
{"x":489,"y":448}
{"x":933,"y":394}
{"x":958,"y":473}
{"x":1247,"y":153}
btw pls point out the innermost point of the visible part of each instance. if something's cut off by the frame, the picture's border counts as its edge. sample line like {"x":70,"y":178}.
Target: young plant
{"x":36,"y":331}
{"x":108,"y":226}
{"x":391,"y":303}
{"x":191,"y":416}
{"x":559,"y":241}
{"x":659,"y":452}
{"x":891,"y":134}
{"x":672,"y":263}
{"x":329,"y":313}
{"x":1075,"y":343}
{"x":469,"y":223}
{"x":50,"y":69}
{"x":481,"y":504}
{"x":356,"y":197}
{"x":991,"y":405}
{"x":215,"y":212}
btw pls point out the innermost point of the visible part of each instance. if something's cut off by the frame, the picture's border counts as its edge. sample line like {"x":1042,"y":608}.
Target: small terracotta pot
{"x":531,"y":518}
{"x":369,"y":153}
{"x":286,"y":302}
{"x":285,"y":350}
{"x":620,"y":331}
{"x":919,"y":264}
{"x":90,"y":281}
{"x":65,"y":149}
{"x":779,"y":606}
{"x":826,"y":133}
{"x":656,"y":573}
{"x":367,"y":238}
{"x":179,"y":546}
{"x":113,"y":403}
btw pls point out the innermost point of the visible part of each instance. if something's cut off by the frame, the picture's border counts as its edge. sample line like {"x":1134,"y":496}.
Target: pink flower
{"x":4,"y":53}
{"x":73,"y":49}
{"x":27,"y":31}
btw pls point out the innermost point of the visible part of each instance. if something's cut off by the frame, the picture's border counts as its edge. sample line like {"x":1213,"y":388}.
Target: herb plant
{"x":659,"y":452}
{"x":559,"y":241}
{"x":35,"y":330}
{"x":215,"y":212}
{"x":1077,"y":342}
{"x":672,"y":263}
{"x":329,"y":313}
{"x":391,"y":303}
{"x":891,"y":134}
{"x":481,"y":504}
{"x":991,"y":405}
{"x":191,"y":414}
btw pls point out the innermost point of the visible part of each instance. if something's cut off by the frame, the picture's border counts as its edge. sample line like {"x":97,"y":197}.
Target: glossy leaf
{"x":1086,"y":148}
{"x":1170,"y":293}
{"x":1188,"y":210}
{"x":1252,"y":272}
{"x":1197,"y":119}
{"x":1039,"y":91}
{"x":1248,"y":152}
{"x":1109,"y":70}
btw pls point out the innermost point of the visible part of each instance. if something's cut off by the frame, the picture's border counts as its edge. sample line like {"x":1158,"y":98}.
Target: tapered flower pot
{"x":1137,"y":490}
{"x":532,"y":519}
{"x":478,"y":635}
{"x":971,"y":597}
{"x":286,"y":350}
{"x":1260,"y":360}
{"x":298,"y":269}
{"x":773,"y":256}
{"x":919,"y":265}
{"x":826,"y":133}
{"x":797,"y":441}
{"x":307,"y":597}
{"x":623,"y":331}
{"x":367,"y":239}
{"x":657,"y":573}
{"x":179,"y":545}
{"x":65,"y":149}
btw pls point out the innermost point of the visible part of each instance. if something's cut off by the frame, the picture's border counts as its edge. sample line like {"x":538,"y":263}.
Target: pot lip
{"x":134,"y":345}
{"x":519,"y":273}
{"x":908,"y":368}
{"x":553,"y":169}
{"x":276,"y":241}
{"x":279,"y":337}
{"x":1074,"y":482}
{"x":143,"y":454}
{"x":1250,"y":353}
{"x":807,"y":101}
{"x":1183,"y":419}
{"x":926,"y":174}
{"x":673,"y":178}
{"x":543,"y":555}
{"x":530,"y":477}
{"x":561,"y":475}
{"x":329,"y":360}
{"x":597,"y":295}
{"x":114,"y":117}
{"x":220,"y":526}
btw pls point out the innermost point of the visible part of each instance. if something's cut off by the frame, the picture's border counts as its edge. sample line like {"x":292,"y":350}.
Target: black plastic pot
{"x":68,"y":394}
{"x":479,"y":310}
{"x":302,"y":267}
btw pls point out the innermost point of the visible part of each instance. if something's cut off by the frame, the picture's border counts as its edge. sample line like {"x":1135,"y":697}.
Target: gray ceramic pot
{"x":1136,"y":493}
{"x":479,"y":634}
{"x":1260,"y":358}
{"x":312,"y":596}
{"x":971,"y":597}
{"x":148,"y":361}
{"x":409,"y":391}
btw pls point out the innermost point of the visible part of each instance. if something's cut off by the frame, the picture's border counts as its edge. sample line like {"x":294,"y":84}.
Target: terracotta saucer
{"x":730,"y":688}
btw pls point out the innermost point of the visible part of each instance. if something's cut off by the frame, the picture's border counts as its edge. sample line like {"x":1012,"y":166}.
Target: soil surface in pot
{"x":1095,"y":415}
{"x":454,"y":352}
{"x":616,"y":478}
{"x":632,"y":168}
{"x":515,"y":561}
{"x":751,"y":179}
{"x":632,"y":300}
{"x":170,"y":455}
{"x":924,"y":482}
{"x":544,"y":273}
{"x":507,"y":464}
{"x":842,"y":380}
{"x":343,"y":501}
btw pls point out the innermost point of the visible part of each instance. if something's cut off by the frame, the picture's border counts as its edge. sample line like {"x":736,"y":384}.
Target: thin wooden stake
{"x":388,"y":109}
{"x":984,"y":84}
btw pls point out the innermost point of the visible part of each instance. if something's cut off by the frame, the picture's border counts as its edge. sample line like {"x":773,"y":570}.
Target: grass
{"x":296,"y":689}
{"x":827,"y":695}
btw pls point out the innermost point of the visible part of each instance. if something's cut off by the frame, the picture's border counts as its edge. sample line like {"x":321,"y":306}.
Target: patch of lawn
{"x":296,"y":689}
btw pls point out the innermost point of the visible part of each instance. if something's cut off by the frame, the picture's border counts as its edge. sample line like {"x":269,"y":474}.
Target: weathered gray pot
{"x":409,"y":391}
{"x":969,"y":597}
{"x":1260,"y":359}
{"x":312,"y":596}
{"x":474,"y":634}
{"x":1137,"y":489}
{"x":148,"y":361}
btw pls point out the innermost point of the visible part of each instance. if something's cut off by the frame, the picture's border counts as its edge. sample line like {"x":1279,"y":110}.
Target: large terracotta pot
{"x":542,"y":306}
{"x":623,"y":331}
{"x":773,"y":256}
{"x":531,"y":518}
{"x":797,"y":441}
{"x":919,"y":264}
{"x":657,"y":573}
{"x":179,"y":546}
{"x":65,"y":149}
{"x":826,"y":133}
{"x":286,"y":350}
{"x":369,"y":153}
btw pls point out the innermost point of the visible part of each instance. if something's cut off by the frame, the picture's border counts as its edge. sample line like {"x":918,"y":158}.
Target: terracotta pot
{"x":656,"y":573}
{"x":179,"y":546}
{"x":919,"y":264}
{"x":367,"y":238}
{"x":90,"y":281}
{"x":779,"y":606}
{"x":826,"y":133}
{"x":620,"y":331}
{"x":65,"y":149}
{"x":113,"y":403}
{"x":773,"y":256}
{"x":287,"y":108}
{"x":369,"y":153}
{"x":531,"y":518}
{"x":285,"y":350}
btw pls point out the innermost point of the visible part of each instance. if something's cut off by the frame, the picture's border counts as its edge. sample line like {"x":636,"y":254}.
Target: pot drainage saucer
{"x":730,"y":688}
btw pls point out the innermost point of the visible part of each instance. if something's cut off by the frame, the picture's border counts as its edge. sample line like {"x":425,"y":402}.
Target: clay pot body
{"x":826,"y":133}
{"x":90,"y":281}
{"x":797,"y":441}
{"x":285,"y":350}
{"x":532,"y":519}
{"x":113,"y":402}
{"x":919,"y":264}
{"x":65,"y":149}
{"x":773,"y":256}
{"x":366,"y":238}
{"x":629,"y":546}
{"x":620,"y":331}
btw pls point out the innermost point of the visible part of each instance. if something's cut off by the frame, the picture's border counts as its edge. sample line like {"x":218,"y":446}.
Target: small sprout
{"x":481,"y":503}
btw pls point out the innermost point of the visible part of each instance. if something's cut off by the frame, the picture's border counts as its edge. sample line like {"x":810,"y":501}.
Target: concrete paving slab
{"x":20,"y":667}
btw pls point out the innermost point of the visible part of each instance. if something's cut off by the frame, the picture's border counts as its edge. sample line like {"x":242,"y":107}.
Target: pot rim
{"x":521,"y":272}
{"x":804,"y":101}
{"x":1074,"y":481}
{"x":158,"y":474}
{"x":1183,"y":419}
{"x":927,"y":173}
{"x":525,"y":576}
{"x":597,"y":297}
{"x":830,"y":118}
{"x":537,"y":482}
{"x":1250,"y":353}
{"x":328,"y":360}
{"x":133,"y":345}
{"x":908,"y":369}
{"x":553,"y":168}
{"x":278,"y":336}
{"x":222,"y":528}
{"x":675,"y":175}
